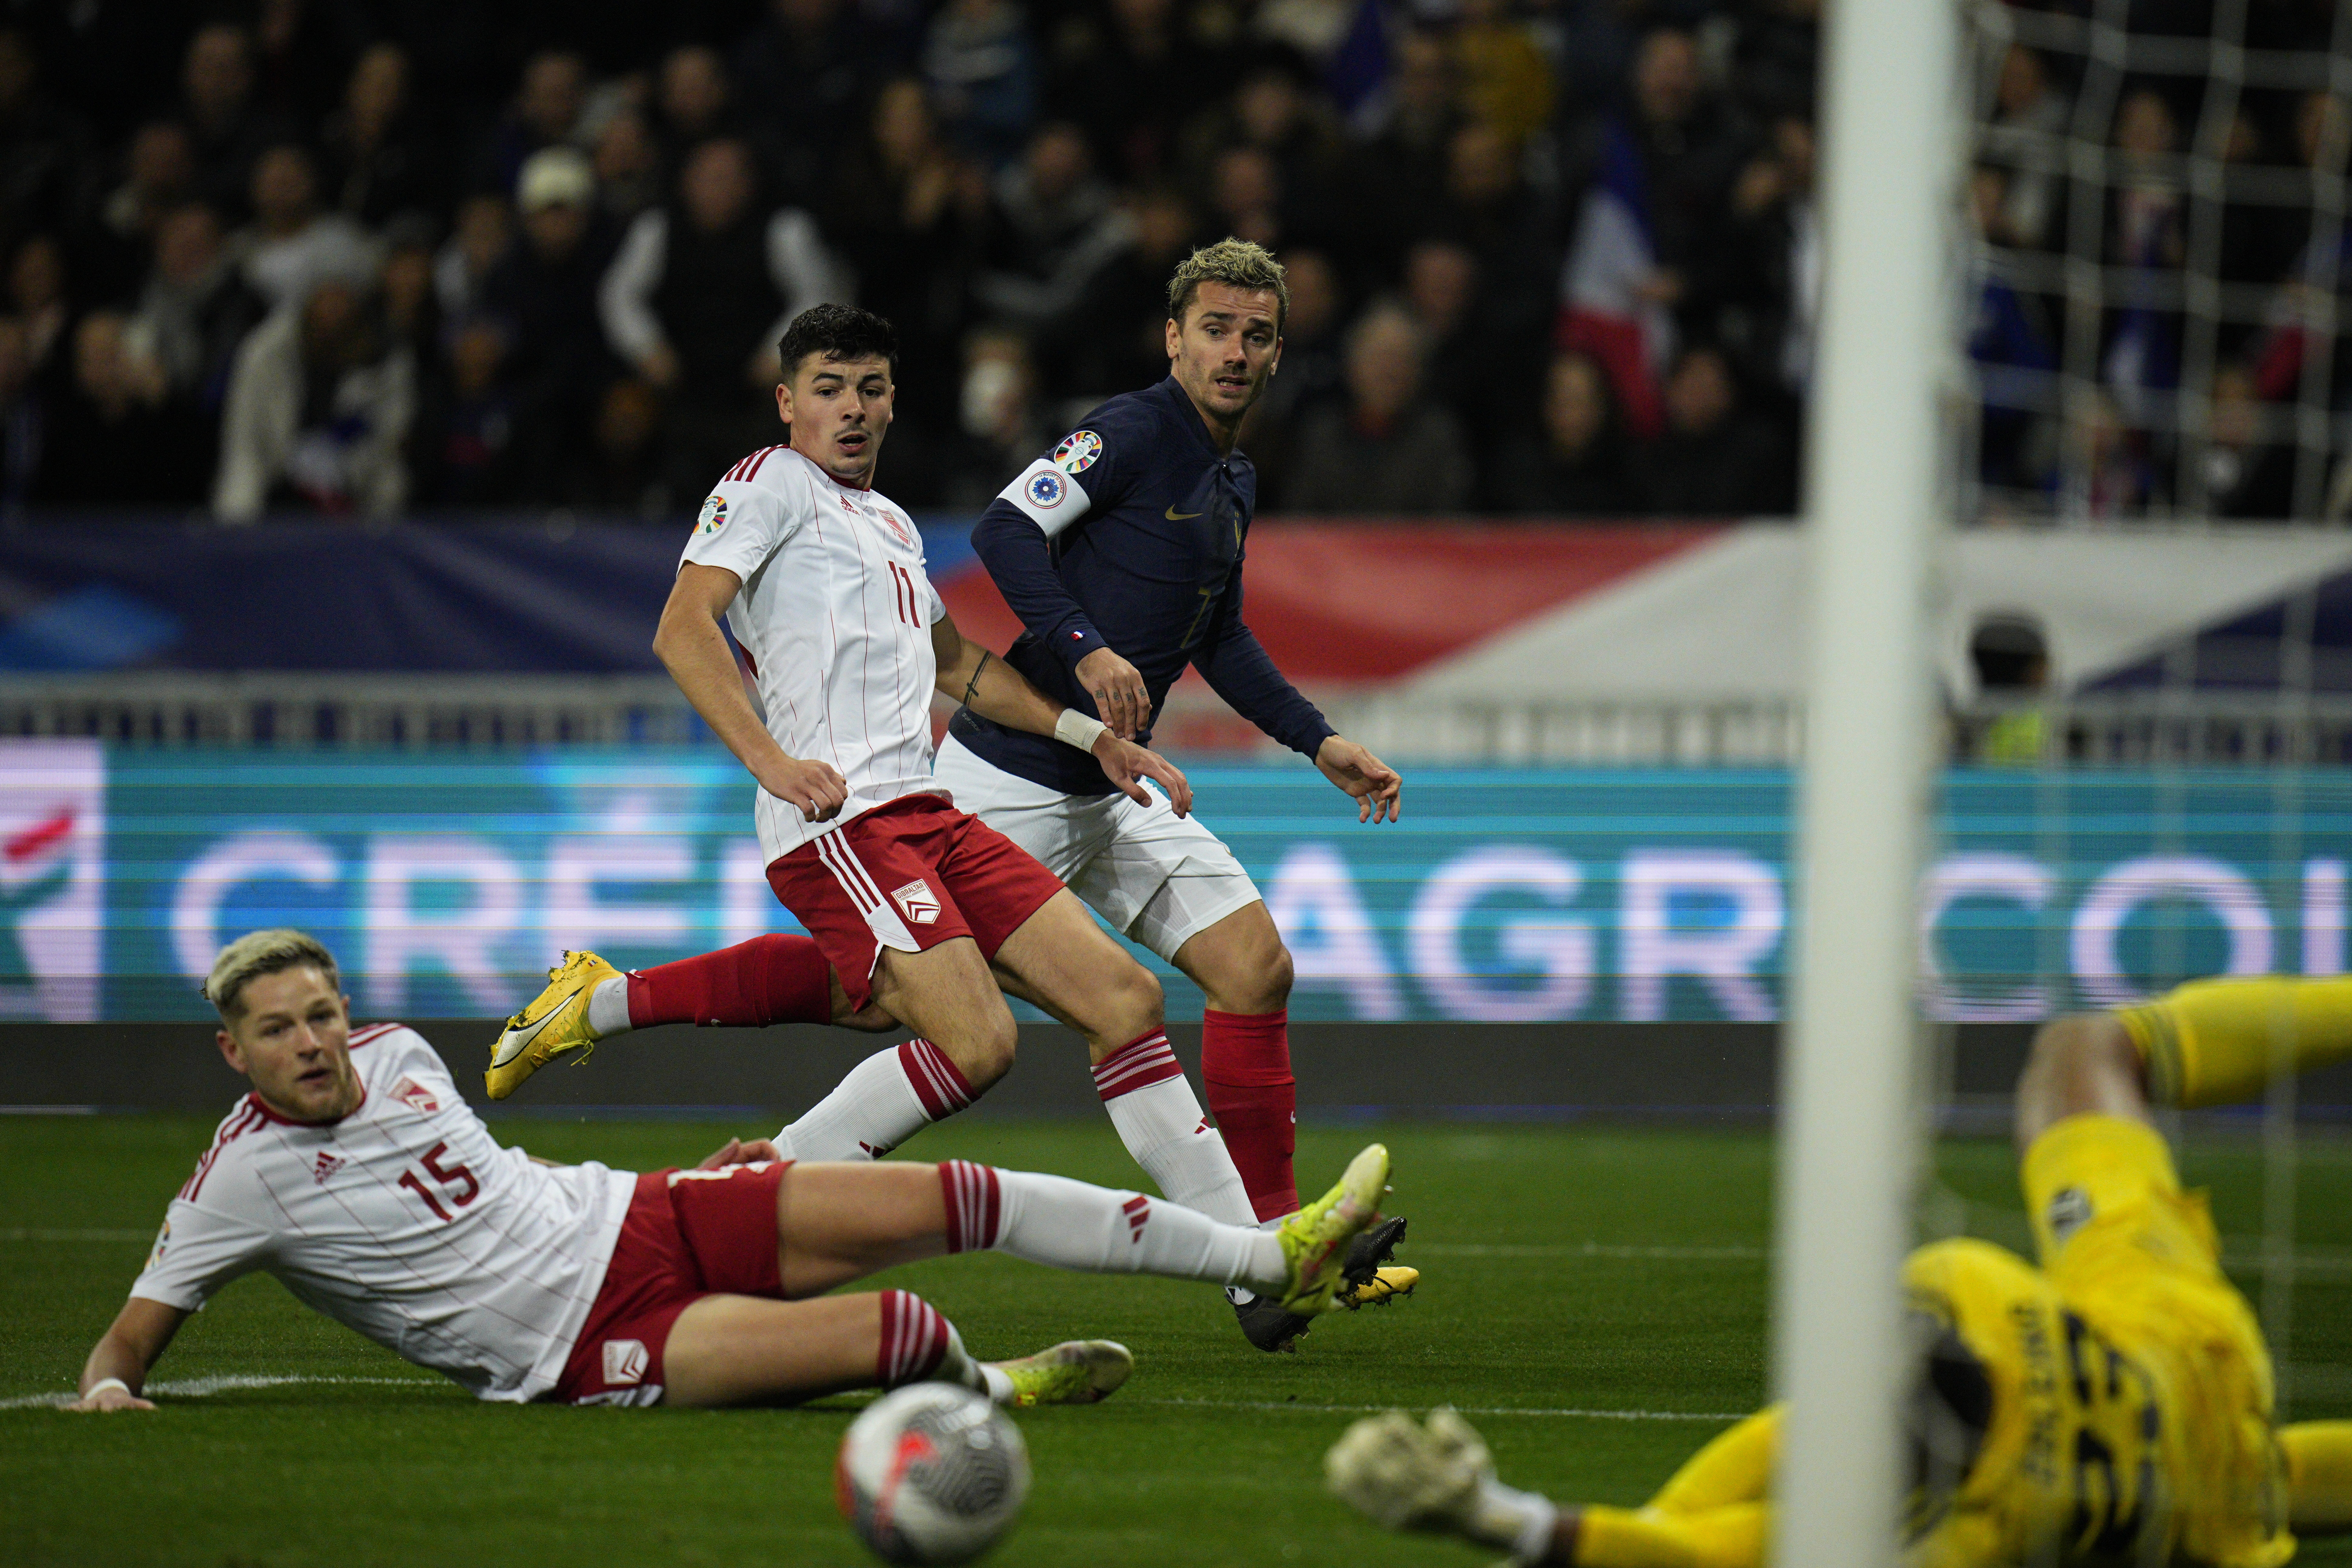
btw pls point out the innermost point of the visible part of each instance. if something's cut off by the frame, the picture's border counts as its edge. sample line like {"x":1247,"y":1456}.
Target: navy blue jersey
{"x":1130,"y":536}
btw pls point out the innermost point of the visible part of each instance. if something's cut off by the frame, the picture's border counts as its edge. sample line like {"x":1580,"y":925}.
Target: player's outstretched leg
{"x":771,"y":980}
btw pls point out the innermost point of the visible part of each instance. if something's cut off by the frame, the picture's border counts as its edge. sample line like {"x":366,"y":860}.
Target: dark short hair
{"x":838,"y":332}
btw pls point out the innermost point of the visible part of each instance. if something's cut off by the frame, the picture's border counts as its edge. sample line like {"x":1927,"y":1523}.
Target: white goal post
{"x":1851,"y":1134}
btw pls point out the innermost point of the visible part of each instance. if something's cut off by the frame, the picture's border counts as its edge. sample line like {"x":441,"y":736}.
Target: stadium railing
{"x":510,"y":711}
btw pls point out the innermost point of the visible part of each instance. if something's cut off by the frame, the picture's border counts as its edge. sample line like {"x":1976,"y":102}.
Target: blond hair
{"x":260,"y":953}
{"x":1237,"y":264}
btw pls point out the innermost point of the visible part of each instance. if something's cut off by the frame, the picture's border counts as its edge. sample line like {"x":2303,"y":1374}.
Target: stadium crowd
{"x":1546,"y":257}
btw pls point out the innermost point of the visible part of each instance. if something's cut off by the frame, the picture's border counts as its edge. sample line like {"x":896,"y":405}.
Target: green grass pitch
{"x":1596,"y":1297}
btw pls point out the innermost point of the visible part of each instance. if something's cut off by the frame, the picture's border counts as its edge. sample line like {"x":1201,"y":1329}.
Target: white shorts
{"x":1157,"y":878}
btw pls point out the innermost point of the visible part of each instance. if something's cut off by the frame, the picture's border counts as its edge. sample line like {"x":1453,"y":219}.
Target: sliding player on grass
{"x":355,"y":1174}
{"x":922,"y":911}
{"x":2114,"y":1405}
{"x":1122,"y":551}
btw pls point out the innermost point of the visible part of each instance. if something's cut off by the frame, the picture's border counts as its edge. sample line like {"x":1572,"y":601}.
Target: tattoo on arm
{"x":973,"y":685}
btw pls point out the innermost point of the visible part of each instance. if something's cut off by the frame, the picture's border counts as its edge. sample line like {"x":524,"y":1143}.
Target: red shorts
{"x":910,"y":875}
{"x":688,"y":1234}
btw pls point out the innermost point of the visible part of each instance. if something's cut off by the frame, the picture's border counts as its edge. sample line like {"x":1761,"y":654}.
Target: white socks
{"x":1158,"y":1118}
{"x":1067,"y":1224}
{"x":881,"y":1103}
{"x":608,"y":1007}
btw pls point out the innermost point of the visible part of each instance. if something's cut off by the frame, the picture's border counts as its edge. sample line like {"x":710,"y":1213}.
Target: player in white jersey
{"x":923,"y":911}
{"x":356,"y":1174}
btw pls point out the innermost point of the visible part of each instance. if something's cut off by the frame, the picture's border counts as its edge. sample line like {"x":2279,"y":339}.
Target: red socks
{"x":770,"y":979}
{"x":1245,"y":1067}
{"x":914,"y":1340}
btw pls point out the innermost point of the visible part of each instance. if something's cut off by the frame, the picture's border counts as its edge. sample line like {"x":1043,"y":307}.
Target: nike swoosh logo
{"x":1174,"y":516}
{"x":514,"y":1042}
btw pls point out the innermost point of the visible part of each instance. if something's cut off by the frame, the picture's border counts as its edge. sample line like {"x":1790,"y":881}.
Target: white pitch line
{"x":1586,"y":1250}
{"x":1569,"y":1413}
{"x":200,"y":1387}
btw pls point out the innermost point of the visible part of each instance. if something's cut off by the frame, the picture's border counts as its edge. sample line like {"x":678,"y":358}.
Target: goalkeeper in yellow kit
{"x":2113,"y":1404}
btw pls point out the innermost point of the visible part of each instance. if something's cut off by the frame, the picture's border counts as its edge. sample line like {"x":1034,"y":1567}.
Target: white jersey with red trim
{"x":403,"y":1221}
{"x":835,"y":614}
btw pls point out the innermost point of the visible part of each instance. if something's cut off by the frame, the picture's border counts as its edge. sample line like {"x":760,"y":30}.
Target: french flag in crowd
{"x":1604,"y":311}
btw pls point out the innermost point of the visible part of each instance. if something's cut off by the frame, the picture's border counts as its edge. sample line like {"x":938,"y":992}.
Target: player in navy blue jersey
{"x":1122,"y":551}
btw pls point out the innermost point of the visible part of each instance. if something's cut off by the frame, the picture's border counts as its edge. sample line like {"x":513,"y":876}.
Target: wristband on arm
{"x":1074,"y":728}
{"x":103,"y":1384}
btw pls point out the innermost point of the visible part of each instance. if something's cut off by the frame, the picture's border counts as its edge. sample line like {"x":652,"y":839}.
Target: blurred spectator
{"x":2246,"y":473}
{"x":810,"y":68}
{"x":2025,"y":138}
{"x":291,"y":245}
{"x":1133,"y":82}
{"x":907,"y":216}
{"x":544,"y":291}
{"x":1574,"y":464}
{"x":380,"y":158}
{"x":1507,"y":81}
{"x":1763,"y":281}
{"x":44,"y":150}
{"x":1390,"y":452}
{"x":319,"y":410}
{"x":545,"y":114}
{"x":1399,"y":174}
{"x":116,"y":438}
{"x":462,"y":269}
{"x":1245,"y":196}
{"x":412,"y":303}
{"x":1052,"y":227}
{"x":2016,"y":362}
{"x":1662,"y":172}
{"x":1715,"y":459}
{"x":2010,"y":655}
{"x":2148,"y":233}
{"x":1311,"y":372}
{"x":36,"y":293}
{"x":1777,"y":57}
{"x":1275,"y":111}
{"x":625,"y":474}
{"x":1116,"y":340}
{"x":1000,"y":423}
{"x":229,"y":131}
{"x":627,"y":166}
{"x":20,"y":420}
{"x":982,"y":71}
{"x":464,"y":438}
{"x":159,"y":173}
{"x":696,"y":96}
{"x":194,"y":310}
{"x":697,"y":297}
{"x":1462,"y":326}
{"x":301,"y":51}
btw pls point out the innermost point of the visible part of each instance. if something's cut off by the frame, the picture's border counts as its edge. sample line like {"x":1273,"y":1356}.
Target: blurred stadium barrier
{"x":1533,"y":896}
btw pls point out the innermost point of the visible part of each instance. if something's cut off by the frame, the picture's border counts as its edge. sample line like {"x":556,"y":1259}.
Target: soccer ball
{"x":933,"y":1473}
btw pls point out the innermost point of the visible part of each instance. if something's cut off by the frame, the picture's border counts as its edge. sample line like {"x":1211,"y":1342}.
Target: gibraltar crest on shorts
{"x":1046,"y":489}
{"x":714,"y":516}
{"x":1078,"y":452}
{"x":921,"y":904}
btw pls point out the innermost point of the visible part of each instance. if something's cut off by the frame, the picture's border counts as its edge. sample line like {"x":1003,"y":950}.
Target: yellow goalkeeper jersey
{"x":2131,"y":1415}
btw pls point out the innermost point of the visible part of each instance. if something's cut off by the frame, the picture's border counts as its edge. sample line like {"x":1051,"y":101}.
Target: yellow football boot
{"x":1315,"y":1241}
{"x":554,"y":1024}
{"x":1079,"y":1372}
{"x":1385,"y":1286}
